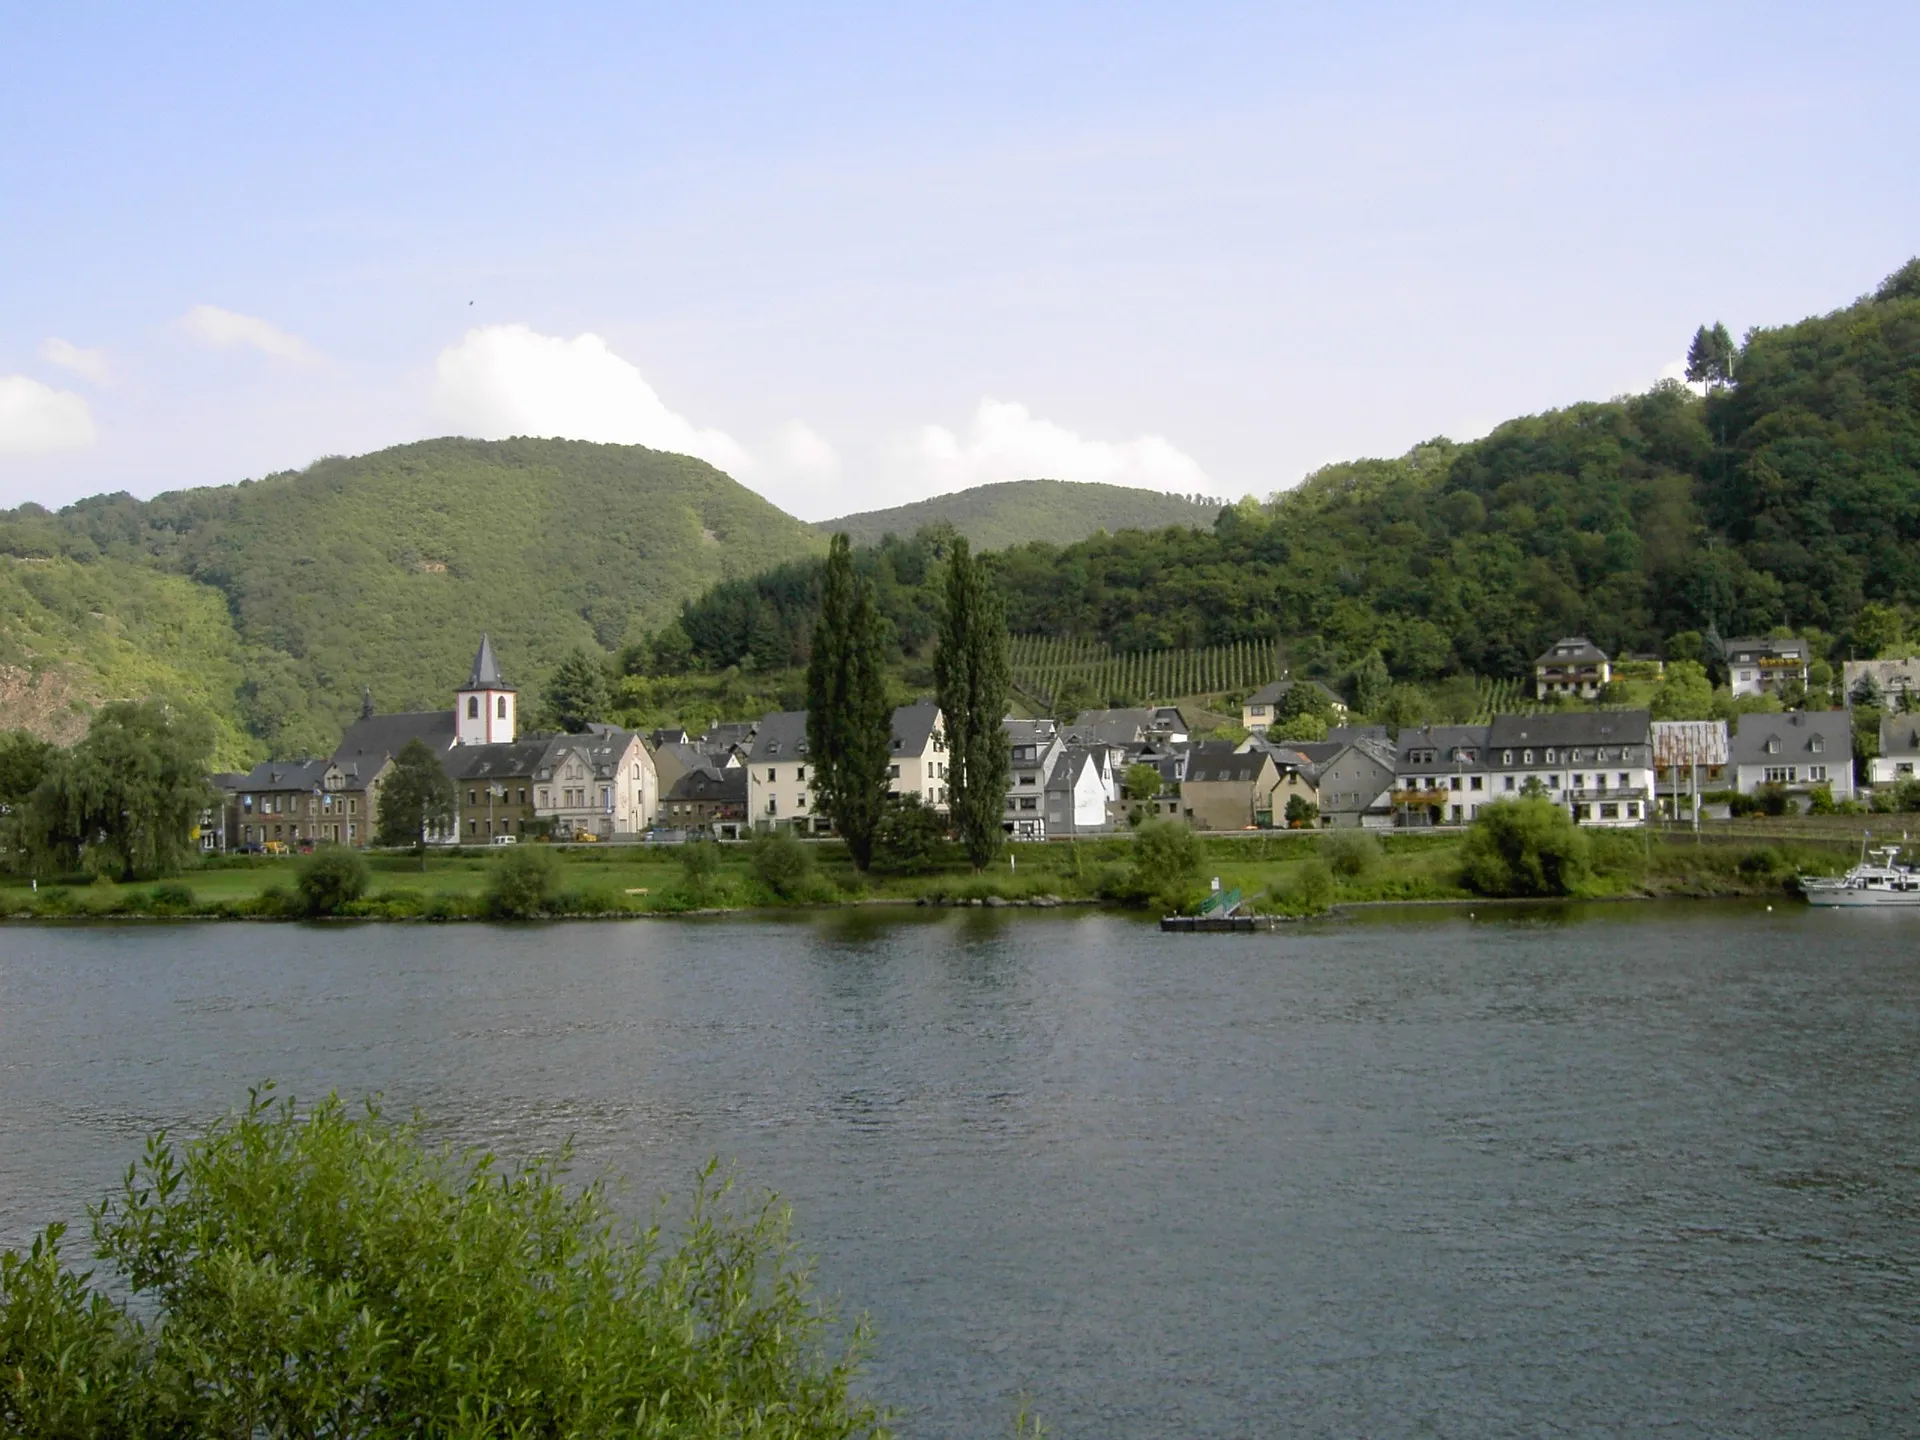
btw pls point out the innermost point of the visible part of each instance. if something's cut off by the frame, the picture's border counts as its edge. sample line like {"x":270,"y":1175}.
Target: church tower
{"x":483,"y":707}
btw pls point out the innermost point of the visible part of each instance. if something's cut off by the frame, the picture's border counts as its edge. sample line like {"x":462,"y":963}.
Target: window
{"x":1579,"y":782}
{"x":1773,"y":746}
{"x":1779,"y":774}
{"x":1507,"y":759}
{"x":1609,"y":812}
{"x":1816,"y":773}
{"x":503,"y":707}
{"x":800,"y":772}
{"x":1509,"y":784}
{"x":1456,"y":786}
{"x":1474,"y":783}
{"x":473,"y":827}
{"x":772,"y":774}
{"x":1624,"y":780}
{"x":473,"y":797}
{"x":473,"y":707}
{"x":1027,"y":802}
{"x":1527,"y":758}
{"x":1549,"y":757}
{"x":1817,"y":744}
{"x":893,"y":771}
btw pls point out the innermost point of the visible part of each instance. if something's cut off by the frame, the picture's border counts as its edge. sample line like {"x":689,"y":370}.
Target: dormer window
{"x":1527,"y":758}
{"x":1773,"y":746}
{"x":1549,"y":757}
{"x":1506,"y":757}
{"x":1817,"y":744}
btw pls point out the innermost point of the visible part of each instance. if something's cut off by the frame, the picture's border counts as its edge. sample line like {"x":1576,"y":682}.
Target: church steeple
{"x":483,"y":708}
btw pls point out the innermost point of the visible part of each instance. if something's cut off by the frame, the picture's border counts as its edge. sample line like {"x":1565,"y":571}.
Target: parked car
{"x":506,"y":839}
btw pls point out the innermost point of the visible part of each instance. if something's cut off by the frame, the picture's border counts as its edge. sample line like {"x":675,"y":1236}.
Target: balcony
{"x":1580,"y":797}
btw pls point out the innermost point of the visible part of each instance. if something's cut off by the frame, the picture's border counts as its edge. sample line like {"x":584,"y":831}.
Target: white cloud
{"x":501,"y":380}
{"x":36,"y":419}
{"x":1007,"y":442}
{"x":229,"y":330}
{"x":69,"y":356}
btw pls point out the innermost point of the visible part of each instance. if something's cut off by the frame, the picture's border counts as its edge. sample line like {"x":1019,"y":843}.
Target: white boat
{"x":1879,"y":879}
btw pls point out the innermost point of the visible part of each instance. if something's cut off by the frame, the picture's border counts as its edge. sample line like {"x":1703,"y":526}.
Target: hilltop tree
{"x":971,"y":674}
{"x":576,"y":693}
{"x":1710,"y":357}
{"x":848,"y":718}
{"x":1371,"y":682}
{"x":417,"y":796}
{"x":125,"y":800}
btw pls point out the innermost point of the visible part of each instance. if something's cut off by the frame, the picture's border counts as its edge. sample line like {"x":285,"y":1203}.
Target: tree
{"x":576,"y":692}
{"x":1166,"y":861}
{"x":1301,"y":813}
{"x":1865,"y":694}
{"x":1371,"y":684}
{"x":1143,"y":781}
{"x":1876,"y":630}
{"x":908,"y":839}
{"x":849,"y":728}
{"x":328,"y":1271}
{"x":525,"y":882}
{"x":24,"y":760}
{"x":1303,"y":728}
{"x":781,"y":862}
{"x":331,"y":878}
{"x":971,"y":673}
{"x":126,"y":799}
{"x":417,"y":797}
{"x":1523,"y":847}
{"x":1710,"y":357}
{"x":1683,"y":693}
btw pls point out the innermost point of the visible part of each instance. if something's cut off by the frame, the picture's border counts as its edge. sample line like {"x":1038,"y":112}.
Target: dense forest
{"x":1789,"y":496}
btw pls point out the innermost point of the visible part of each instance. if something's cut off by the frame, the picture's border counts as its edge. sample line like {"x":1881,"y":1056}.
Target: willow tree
{"x":971,"y":674}
{"x":849,"y":728}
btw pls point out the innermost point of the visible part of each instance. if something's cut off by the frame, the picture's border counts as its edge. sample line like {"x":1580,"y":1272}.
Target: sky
{"x":858,"y":254}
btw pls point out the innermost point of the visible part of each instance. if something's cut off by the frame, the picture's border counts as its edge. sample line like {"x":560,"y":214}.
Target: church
{"x":597,"y":786}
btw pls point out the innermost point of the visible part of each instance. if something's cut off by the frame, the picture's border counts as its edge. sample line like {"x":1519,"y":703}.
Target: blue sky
{"x":859,"y":254}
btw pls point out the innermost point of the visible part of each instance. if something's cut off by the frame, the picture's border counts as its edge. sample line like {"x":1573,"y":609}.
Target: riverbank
{"x":1283,"y":873}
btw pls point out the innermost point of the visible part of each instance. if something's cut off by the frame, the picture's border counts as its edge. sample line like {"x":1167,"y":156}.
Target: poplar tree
{"x":849,"y":723}
{"x":971,"y":674}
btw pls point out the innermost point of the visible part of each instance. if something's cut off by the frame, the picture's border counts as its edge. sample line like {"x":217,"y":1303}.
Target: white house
{"x":919,"y":753}
{"x":1597,"y":764}
{"x":1899,"y":757}
{"x":1573,"y":666}
{"x":601,"y":783}
{"x":1079,"y":790}
{"x":1763,"y":667}
{"x":1799,"y":751}
{"x":1036,"y":747}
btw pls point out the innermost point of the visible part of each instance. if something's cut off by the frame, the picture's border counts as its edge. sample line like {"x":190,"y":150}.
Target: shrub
{"x":1309,"y":890}
{"x":1301,"y":813}
{"x":1523,"y":847}
{"x":1351,"y":854}
{"x":699,"y":869}
{"x":1165,"y":862}
{"x":782,"y":863}
{"x":330,"y":1273}
{"x":171,"y":898}
{"x":594,"y":901}
{"x":523,"y":883}
{"x":330,"y":879}
{"x":908,"y":838}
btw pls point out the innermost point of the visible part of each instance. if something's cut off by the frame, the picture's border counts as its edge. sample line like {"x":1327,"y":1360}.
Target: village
{"x":1102,"y":771}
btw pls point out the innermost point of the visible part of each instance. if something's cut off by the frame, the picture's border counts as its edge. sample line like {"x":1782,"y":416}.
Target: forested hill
{"x":1790,"y":497}
{"x":273,"y":602}
{"x":1015,"y":512}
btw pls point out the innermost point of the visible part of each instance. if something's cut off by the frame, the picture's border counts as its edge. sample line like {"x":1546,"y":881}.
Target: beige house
{"x":1228,"y":789}
{"x":1574,"y":666}
{"x":919,"y":761}
{"x":1261,"y":710}
{"x":602,"y":783}
{"x":780,"y":775}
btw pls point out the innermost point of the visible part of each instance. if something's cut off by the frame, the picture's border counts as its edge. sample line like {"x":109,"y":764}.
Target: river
{"x":1598,"y":1171}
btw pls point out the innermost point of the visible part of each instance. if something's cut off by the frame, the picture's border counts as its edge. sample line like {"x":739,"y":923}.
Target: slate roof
{"x":286,"y":775}
{"x":1572,"y":727}
{"x":368,"y":744}
{"x":711,"y":784}
{"x":1220,"y":760}
{"x":1066,"y":770}
{"x":1276,"y":691}
{"x":513,"y":760}
{"x":1579,"y":650}
{"x":1452,"y":745}
{"x":781,"y":735}
{"x":913,"y":727}
{"x":1900,"y":735}
{"x":1796,"y":731}
{"x":602,"y":747}
{"x":485,"y":674}
{"x":1029,"y":732}
{"x":728,"y":736}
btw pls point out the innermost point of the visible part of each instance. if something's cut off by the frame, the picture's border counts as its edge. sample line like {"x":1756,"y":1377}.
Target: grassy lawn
{"x":1278,"y":872}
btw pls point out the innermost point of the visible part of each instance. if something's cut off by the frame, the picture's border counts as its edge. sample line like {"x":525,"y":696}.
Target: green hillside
{"x":381,"y":571}
{"x":1789,"y":497}
{"x":1057,"y":512}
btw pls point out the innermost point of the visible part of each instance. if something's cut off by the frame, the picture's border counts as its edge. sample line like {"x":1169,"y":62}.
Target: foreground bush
{"x":330,"y":879}
{"x":326,"y":1273}
{"x":1523,"y":847}
{"x":781,"y":863}
{"x":524,"y":882}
